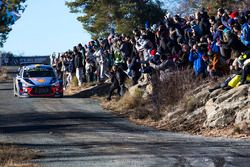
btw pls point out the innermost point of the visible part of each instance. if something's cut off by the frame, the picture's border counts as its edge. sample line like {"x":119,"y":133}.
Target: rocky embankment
{"x":220,"y":113}
{"x":229,"y":107}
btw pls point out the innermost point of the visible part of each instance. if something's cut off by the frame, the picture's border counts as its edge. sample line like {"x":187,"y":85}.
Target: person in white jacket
{"x":101,"y":62}
{"x":144,"y":45}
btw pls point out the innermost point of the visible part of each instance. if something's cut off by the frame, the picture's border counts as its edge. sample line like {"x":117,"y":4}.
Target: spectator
{"x":244,"y":61}
{"x":245,"y":32}
{"x":216,"y":44}
{"x":82,"y":50}
{"x":197,"y":58}
{"x":166,"y":65}
{"x":78,"y":66}
{"x":118,"y":78}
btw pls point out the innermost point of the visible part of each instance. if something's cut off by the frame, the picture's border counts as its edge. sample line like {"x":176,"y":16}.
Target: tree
{"x":9,"y":13}
{"x":100,"y":16}
{"x":189,"y":6}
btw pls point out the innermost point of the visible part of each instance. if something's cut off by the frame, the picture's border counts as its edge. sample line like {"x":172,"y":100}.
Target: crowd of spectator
{"x":213,"y":46}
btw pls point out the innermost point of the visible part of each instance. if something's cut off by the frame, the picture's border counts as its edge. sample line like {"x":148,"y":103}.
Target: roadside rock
{"x":243,"y":115}
{"x":143,"y":91}
{"x":242,"y":127}
{"x":148,"y":91}
{"x":226,"y":107}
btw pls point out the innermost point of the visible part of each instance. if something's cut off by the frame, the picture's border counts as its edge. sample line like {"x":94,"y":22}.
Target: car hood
{"x":43,"y":81}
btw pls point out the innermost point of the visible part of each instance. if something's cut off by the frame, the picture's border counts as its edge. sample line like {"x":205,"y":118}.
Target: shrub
{"x":3,"y":74}
{"x":11,"y":156}
{"x":172,"y":89}
{"x":191,"y":104}
{"x":131,"y":102}
{"x":74,"y":81}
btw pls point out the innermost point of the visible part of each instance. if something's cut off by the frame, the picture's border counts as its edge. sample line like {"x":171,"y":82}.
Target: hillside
{"x":220,"y":113}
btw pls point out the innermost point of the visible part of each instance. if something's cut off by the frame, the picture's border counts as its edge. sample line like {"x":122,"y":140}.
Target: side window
{"x":21,"y":73}
{"x":54,"y":71}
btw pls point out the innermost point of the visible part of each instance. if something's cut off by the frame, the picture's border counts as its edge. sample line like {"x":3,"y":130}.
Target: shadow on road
{"x":6,"y":82}
{"x":6,"y":89}
{"x":99,"y":90}
{"x":63,"y":121}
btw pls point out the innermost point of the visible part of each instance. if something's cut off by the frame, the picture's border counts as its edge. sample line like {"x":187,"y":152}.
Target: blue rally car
{"x":37,"y":81}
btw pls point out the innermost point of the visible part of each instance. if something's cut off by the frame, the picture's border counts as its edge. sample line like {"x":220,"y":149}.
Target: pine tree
{"x":9,"y":13}
{"x":100,"y":16}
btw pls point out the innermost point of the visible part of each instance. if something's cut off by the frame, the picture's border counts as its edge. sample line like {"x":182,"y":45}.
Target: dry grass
{"x":74,"y":88}
{"x":11,"y":156}
{"x":12,"y":164}
{"x":175,"y":89}
{"x":132,"y":106}
{"x":74,"y":82}
{"x":169,"y":95}
{"x":3,"y":74}
{"x":123,"y":104}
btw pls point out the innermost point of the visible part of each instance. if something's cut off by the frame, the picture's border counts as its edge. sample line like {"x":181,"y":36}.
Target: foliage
{"x":9,"y":13}
{"x":213,"y":5}
{"x":190,"y":6}
{"x":99,"y":17}
{"x":172,"y":89}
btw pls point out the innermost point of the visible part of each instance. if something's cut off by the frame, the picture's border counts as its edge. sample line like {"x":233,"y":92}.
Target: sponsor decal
{"x":41,"y":80}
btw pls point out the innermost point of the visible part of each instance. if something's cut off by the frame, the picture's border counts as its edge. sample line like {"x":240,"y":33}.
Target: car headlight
{"x":56,"y":84}
{"x":54,"y":80}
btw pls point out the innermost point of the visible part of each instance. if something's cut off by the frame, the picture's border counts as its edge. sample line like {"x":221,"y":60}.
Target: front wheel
{"x":59,"y":96}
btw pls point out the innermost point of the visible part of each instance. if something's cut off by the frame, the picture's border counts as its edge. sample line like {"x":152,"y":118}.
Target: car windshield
{"x":38,"y":72}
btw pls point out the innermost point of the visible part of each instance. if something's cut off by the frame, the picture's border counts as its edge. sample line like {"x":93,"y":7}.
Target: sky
{"x":45,"y":27}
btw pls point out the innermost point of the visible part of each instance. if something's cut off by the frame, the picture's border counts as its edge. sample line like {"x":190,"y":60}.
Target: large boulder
{"x":225,"y":107}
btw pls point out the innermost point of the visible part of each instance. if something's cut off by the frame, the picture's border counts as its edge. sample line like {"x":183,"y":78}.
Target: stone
{"x":243,"y":116}
{"x":226,"y":107}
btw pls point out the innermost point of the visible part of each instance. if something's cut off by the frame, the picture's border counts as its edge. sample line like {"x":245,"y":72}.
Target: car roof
{"x":36,"y":66}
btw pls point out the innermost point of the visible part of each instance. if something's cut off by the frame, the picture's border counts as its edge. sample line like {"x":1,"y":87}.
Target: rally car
{"x":37,"y":81}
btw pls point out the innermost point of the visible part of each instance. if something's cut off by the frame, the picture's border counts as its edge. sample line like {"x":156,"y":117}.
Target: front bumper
{"x":48,"y":91}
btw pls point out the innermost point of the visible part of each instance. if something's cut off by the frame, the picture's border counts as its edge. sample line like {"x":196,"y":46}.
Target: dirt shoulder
{"x":12,"y":156}
{"x":181,"y":124}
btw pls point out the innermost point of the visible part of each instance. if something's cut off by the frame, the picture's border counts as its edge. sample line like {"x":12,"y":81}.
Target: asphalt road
{"x":76,"y":132}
